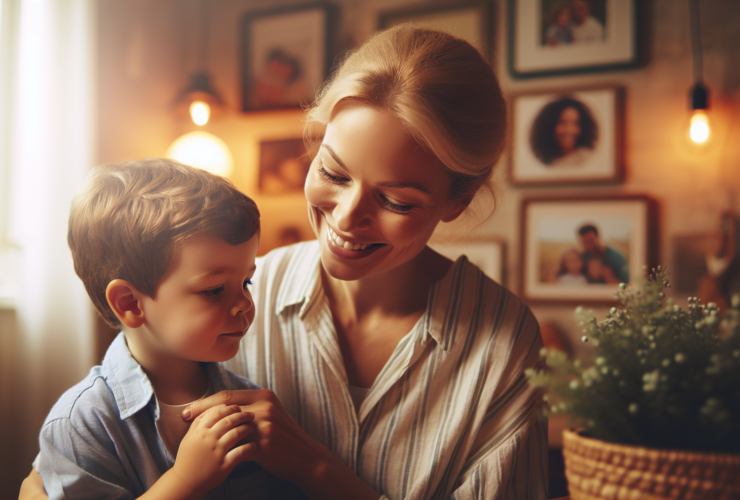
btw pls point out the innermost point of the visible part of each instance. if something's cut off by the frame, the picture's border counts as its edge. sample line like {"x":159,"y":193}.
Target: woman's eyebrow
{"x":412,"y":185}
{"x":333,"y":154}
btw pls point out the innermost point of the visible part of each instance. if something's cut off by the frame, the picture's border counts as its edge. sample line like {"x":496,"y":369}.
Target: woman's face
{"x":567,"y":130}
{"x":374,"y":195}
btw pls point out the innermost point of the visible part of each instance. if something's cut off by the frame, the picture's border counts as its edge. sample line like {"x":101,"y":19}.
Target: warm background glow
{"x":203,"y":150}
{"x":699,"y":131}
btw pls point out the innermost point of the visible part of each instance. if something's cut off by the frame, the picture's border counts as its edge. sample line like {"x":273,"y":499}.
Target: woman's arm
{"x":285,"y":450}
{"x":32,"y":488}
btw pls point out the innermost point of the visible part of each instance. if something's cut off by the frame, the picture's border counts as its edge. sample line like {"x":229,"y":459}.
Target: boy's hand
{"x":208,"y":452}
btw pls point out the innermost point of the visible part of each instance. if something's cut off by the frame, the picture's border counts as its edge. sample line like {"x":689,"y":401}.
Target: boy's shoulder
{"x":91,"y":396}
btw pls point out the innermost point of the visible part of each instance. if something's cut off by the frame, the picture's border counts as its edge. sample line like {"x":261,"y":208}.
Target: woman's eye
{"x":246,"y":283}
{"x":395,"y":207}
{"x":213,"y":293}
{"x":329,"y":176}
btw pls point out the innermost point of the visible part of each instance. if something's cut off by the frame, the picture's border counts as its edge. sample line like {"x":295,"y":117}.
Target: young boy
{"x":166,"y":253}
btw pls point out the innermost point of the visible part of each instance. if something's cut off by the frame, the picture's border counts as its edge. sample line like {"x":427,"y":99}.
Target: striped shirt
{"x":450,"y":415}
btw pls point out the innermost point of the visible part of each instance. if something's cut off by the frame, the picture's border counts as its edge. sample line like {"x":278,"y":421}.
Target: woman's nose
{"x":352,"y":211}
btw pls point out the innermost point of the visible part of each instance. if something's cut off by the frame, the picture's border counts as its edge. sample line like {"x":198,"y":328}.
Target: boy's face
{"x":202,"y":307}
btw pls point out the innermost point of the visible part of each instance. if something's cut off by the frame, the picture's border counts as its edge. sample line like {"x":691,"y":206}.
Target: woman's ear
{"x":458,"y":207}
{"x":123,"y":299}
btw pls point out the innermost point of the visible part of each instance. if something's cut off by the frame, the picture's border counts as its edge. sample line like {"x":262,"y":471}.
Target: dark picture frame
{"x":543,"y":41}
{"x":566,"y":261}
{"x":588,"y":124}
{"x":286,"y":54}
{"x":472,"y":21}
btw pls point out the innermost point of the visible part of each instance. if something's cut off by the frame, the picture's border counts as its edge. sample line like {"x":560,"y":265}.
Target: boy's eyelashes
{"x":216,"y":292}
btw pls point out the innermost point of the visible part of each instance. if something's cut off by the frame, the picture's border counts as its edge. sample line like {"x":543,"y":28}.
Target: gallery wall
{"x":147,"y":50}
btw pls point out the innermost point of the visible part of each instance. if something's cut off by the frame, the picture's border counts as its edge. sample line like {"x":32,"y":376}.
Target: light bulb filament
{"x":200,"y":112}
{"x":699,"y":128}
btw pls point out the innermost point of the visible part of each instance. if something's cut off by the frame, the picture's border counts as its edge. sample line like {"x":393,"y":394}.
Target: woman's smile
{"x":375,"y":195}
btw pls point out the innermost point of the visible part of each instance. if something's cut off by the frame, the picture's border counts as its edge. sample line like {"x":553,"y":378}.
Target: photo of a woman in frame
{"x":564,"y":133}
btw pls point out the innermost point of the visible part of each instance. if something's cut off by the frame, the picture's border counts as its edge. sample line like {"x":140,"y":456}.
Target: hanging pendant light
{"x":699,"y":131}
{"x":199,"y":100}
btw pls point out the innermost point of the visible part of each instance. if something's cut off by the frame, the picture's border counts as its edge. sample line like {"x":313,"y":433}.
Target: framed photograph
{"x":551,"y":37}
{"x":286,"y":54}
{"x":488,"y":255}
{"x":470,"y":20}
{"x":573,"y":137}
{"x":579,"y":249}
{"x":283,"y":166}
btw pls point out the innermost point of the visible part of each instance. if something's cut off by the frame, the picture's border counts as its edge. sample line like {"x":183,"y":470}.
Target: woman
{"x":395,"y":371}
{"x":564,"y":133}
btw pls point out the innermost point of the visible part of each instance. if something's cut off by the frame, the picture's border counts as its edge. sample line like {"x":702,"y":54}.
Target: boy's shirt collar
{"x":131,"y":386}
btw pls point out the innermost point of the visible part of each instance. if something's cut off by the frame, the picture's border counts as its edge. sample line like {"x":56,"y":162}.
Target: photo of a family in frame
{"x":581,"y":249}
{"x":568,"y":22}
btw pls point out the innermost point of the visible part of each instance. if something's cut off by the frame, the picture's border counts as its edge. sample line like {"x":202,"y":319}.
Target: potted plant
{"x":659,"y":408}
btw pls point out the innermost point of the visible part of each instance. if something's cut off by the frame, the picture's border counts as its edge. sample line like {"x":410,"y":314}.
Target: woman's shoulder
{"x":299,"y":255}
{"x":467,"y":293}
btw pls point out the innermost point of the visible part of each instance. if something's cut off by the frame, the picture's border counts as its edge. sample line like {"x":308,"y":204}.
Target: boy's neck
{"x":176,"y":381}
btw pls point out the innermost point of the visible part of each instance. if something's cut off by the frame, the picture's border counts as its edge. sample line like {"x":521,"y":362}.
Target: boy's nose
{"x":242,"y":305}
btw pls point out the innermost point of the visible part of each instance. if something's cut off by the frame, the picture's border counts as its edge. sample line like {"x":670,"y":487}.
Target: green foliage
{"x":663,"y":377}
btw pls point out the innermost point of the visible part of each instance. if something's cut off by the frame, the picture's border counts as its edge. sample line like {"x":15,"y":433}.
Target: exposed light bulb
{"x":699,"y":129}
{"x":200,"y":112}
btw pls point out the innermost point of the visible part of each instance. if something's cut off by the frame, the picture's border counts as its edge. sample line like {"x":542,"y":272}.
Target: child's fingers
{"x":231,"y":421}
{"x":232,"y":436}
{"x":215,"y":414}
{"x":241,"y":453}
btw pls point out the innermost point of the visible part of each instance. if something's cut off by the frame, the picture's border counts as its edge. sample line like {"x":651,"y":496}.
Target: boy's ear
{"x":123,"y":299}
{"x":458,"y":207}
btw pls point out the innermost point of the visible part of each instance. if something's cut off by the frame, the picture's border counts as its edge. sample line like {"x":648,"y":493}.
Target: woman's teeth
{"x":345,"y":244}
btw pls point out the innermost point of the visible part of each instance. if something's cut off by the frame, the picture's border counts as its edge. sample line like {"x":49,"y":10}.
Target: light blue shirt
{"x":100,"y":439}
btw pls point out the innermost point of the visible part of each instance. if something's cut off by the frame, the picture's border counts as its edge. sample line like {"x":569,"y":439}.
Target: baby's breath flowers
{"x":663,"y":377}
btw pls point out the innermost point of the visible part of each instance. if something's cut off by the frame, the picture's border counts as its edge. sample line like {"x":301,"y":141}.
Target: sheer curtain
{"x":47,"y":108}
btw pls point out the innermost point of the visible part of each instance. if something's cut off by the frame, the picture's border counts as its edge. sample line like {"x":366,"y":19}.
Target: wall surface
{"x":147,"y":50}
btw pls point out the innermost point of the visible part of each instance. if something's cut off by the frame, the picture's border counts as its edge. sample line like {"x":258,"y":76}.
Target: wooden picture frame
{"x":286,"y":54}
{"x":283,"y":166}
{"x":551,"y":37}
{"x":488,"y":254}
{"x":568,"y":137}
{"x":470,"y":20}
{"x":565,"y":261}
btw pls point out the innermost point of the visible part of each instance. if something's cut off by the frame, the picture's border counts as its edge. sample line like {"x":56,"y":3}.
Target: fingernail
{"x":186,"y":414}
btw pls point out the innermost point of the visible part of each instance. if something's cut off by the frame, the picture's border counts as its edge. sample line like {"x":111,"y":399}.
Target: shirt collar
{"x":126,"y":378}
{"x":446,"y":303}
{"x":302,"y":279}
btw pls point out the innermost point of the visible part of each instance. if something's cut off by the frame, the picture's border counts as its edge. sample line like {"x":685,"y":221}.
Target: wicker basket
{"x":600,"y":470}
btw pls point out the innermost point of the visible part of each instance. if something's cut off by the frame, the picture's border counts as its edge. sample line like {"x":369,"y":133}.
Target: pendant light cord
{"x":696,"y":40}
{"x":203,"y":35}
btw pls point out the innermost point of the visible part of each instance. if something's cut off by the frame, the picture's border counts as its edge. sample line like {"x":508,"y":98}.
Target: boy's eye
{"x":247,"y":281}
{"x":213,"y":293}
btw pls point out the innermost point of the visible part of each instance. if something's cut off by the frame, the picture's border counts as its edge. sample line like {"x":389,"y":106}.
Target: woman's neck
{"x":401,"y":291}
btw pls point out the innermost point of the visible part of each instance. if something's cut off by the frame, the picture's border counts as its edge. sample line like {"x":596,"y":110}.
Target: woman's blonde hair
{"x":126,"y":220}
{"x":440,"y":87}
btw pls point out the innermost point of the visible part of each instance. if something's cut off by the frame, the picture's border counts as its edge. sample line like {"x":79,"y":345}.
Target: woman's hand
{"x":284,"y":449}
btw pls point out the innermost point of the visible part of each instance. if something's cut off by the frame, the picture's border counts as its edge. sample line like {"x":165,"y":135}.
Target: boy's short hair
{"x":126,"y":220}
